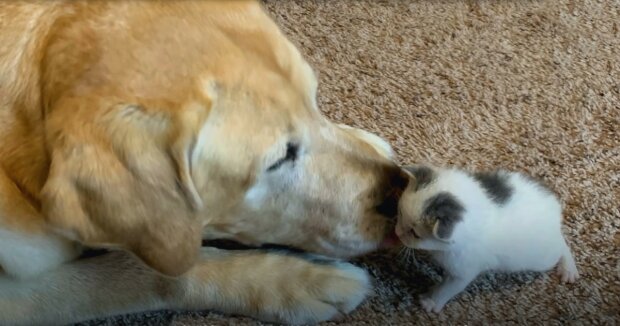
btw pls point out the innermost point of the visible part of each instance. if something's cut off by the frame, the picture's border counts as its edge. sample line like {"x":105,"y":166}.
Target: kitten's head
{"x":426,"y":210}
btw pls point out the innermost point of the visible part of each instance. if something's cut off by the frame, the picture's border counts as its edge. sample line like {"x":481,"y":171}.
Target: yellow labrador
{"x":148,"y":126}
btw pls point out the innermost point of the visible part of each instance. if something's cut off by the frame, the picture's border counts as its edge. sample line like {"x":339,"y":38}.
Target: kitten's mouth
{"x":407,"y":234}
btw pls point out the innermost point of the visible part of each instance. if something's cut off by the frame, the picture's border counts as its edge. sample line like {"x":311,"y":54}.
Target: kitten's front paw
{"x":429,"y":304}
{"x":567,"y":270}
{"x":568,"y":274}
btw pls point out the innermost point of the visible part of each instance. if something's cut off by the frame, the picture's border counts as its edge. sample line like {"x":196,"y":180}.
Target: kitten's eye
{"x":292,"y":150}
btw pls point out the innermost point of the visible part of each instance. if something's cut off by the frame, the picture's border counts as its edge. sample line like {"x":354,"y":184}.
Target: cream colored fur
{"x":144,"y":127}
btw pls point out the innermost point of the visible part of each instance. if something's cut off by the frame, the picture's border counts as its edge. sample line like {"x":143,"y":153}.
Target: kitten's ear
{"x":442,"y":231}
{"x":446,"y":211}
{"x":424,"y":175}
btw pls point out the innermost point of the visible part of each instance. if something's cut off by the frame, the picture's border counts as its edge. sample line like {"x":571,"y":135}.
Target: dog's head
{"x":284,"y":174}
{"x":224,"y":141}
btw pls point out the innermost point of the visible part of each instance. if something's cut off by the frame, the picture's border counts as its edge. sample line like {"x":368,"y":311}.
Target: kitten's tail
{"x":567,"y":269}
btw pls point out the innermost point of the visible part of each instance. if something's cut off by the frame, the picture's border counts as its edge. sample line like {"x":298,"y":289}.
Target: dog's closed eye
{"x":292,"y":151}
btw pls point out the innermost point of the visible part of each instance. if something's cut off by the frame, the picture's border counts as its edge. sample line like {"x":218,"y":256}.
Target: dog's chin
{"x":344,"y":249}
{"x":355,"y":248}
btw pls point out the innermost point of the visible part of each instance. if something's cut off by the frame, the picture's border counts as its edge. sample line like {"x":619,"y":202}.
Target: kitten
{"x":476,"y":222}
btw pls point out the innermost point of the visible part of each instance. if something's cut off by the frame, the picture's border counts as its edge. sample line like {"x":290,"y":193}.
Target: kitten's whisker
{"x":402,"y":254}
{"x":406,"y":254}
{"x":410,"y":254}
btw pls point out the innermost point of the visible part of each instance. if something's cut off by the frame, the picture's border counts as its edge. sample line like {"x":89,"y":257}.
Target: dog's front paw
{"x":319,"y":292}
{"x":275,"y":287}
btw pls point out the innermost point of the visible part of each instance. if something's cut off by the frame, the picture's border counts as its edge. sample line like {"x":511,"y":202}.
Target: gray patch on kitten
{"x":423,"y":175}
{"x":446,"y":209}
{"x":495,"y":184}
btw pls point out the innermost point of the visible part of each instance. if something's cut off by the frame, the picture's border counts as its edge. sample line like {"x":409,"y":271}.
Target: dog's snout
{"x":388,"y":207}
{"x":399,"y":179}
{"x":396,"y":182}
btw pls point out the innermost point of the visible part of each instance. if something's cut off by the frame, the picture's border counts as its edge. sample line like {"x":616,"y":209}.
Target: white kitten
{"x":476,"y":222}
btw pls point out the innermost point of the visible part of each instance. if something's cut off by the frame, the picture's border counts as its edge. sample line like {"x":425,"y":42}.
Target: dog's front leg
{"x":274,"y":286}
{"x":268,"y":286}
{"x":111,"y":284}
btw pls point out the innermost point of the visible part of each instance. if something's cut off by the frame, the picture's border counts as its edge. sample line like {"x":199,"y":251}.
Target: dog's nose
{"x":397,"y":181}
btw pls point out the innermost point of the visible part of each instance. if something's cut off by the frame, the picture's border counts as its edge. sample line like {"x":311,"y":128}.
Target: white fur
{"x":379,"y":144}
{"x":524,"y":233}
{"x":25,"y":256}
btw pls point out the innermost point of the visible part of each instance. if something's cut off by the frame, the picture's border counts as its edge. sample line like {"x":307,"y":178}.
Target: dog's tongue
{"x":391,"y":240}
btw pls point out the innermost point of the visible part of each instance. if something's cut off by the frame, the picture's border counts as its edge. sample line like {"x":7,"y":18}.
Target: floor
{"x":532,"y":86}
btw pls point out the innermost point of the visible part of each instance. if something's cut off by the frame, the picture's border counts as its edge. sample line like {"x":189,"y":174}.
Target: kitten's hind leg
{"x":437,"y":298}
{"x":567,"y":269}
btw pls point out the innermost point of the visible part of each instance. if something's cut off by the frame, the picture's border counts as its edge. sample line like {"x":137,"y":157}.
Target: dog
{"x":145,"y":127}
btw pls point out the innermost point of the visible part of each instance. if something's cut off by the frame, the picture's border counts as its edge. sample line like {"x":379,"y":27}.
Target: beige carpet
{"x":526,"y":85}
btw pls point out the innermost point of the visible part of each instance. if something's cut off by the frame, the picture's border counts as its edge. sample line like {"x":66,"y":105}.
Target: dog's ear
{"x":127,"y":181}
{"x":445,"y":211}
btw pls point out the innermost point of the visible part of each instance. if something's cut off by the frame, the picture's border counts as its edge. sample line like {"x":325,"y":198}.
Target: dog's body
{"x":146,"y":126}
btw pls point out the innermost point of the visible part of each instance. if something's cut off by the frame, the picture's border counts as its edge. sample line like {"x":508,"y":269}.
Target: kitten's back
{"x":528,"y":226}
